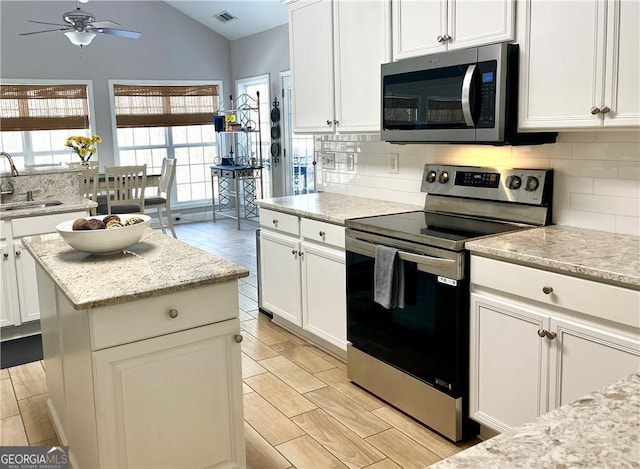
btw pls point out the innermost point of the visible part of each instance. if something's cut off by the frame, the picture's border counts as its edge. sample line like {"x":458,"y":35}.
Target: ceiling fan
{"x":81,"y":27}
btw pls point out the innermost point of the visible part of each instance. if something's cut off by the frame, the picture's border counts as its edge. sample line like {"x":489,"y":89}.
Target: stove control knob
{"x":431,"y":176}
{"x":444,"y":177}
{"x":514,"y":182}
{"x":532,"y":184}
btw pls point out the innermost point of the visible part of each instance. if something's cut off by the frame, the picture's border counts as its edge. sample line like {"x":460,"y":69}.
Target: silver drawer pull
{"x":18,"y":253}
{"x":173,"y":313}
{"x":542,"y":333}
{"x":5,"y":255}
{"x":547,"y":290}
{"x":238,"y":338}
{"x":551,"y":335}
{"x":322,"y":234}
{"x":275,"y":222}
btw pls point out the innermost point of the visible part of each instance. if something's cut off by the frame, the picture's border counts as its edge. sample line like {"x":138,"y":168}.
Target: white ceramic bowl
{"x":104,"y":241}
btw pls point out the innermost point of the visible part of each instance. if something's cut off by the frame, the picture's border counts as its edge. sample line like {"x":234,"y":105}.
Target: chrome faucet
{"x":14,"y":171}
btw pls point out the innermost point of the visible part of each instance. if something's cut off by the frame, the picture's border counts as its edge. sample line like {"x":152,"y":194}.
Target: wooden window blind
{"x":26,"y":107}
{"x":164,"y":106}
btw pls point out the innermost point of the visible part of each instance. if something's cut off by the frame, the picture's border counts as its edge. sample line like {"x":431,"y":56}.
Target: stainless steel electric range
{"x":416,"y":357}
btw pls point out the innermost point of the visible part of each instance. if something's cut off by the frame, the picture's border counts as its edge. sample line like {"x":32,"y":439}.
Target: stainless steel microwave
{"x":466,"y":96}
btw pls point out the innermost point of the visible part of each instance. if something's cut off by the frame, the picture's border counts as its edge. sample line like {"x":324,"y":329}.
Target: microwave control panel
{"x":487,"y":89}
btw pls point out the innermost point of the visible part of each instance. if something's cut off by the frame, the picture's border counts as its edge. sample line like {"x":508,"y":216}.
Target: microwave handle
{"x":467,"y":81}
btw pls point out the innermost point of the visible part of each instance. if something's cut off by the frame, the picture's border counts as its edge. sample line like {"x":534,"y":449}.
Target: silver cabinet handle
{"x":18,"y":253}
{"x":551,"y":335}
{"x":238,"y":338}
{"x":173,"y":313}
{"x":322,"y":234}
{"x":294,"y":252}
{"x":275,"y":222}
{"x":594,"y":110}
{"x":440,"y":38}
{"x":466,"y":95}
{"x":329,"y":122}
{"x":547,"y":290}
{"x":604,"y":109}
{"x":5,"y":255}
{"x":301,"y":254}
{"x":542,"y":333}
{"x":336,"y":123}
{"x":446,"y":37}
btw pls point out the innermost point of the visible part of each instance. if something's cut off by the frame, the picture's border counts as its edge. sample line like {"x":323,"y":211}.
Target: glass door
{"x":297,"y":154}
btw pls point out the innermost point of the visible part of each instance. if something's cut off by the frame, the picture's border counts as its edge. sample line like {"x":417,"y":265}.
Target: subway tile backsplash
{"x":596,"y":185}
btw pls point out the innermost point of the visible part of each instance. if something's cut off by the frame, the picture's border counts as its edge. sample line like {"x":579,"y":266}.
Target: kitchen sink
{"x":29,"y":205}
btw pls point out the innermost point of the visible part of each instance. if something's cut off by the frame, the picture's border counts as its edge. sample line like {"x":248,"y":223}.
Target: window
{"x":38,"y":117}
{"x":252,"y":86}
{"x":154,"y":121}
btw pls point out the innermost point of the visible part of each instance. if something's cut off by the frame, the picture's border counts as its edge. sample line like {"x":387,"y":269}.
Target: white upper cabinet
{"x":428,"y":27}
{"x":579,"y":64}
{"x":337,"y":48}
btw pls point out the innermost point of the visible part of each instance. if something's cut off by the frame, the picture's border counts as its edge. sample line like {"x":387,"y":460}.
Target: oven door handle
{"x":431,"y":265}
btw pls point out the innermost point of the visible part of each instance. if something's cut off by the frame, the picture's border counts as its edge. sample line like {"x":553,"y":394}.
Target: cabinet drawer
{"x":279,"y":221}
{"x":227,"y":174}
{"x":589,"y":297}
{"x":216,"y":172}
{"x":41,"y":224}
{"x":138,"y":320}
{"x":322,"y":232}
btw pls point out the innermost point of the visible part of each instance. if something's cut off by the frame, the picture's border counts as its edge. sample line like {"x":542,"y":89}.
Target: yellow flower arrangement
{"x":84,"y":147}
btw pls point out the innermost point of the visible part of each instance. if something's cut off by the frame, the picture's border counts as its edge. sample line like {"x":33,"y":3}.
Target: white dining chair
{"x":125,"y":190}
{"x":162,"y":200}
{"x":88,"y":183}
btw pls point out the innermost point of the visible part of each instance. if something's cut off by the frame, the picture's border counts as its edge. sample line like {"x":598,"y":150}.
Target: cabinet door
{"x":472,"y":23}
{"x":416,"y":27}
{"x":311,"y":52}
{"x":508,"y":368}
{"x":561,"y":63}
{"x":623,"y":64}
{"x":280,"y":276}
{"x":324,"y":293}
{"x":362,"y":42}
{"x":586,"y":359}
{"x":10,"y":313}
{"x":172,"y":401}
{"x":27,"y":283}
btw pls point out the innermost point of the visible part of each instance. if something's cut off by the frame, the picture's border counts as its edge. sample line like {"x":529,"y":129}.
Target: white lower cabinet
{"x":150,"y":383}
{"x":303,"y":278}
{"x":528,"y":355}
{"x":26,"y":282}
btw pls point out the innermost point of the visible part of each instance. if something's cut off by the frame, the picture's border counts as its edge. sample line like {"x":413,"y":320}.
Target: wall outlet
{"x":394,"y":163}
{"x":350,"y":164}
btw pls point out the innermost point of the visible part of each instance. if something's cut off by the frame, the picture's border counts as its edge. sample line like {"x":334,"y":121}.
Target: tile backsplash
{"x":596,"y":185}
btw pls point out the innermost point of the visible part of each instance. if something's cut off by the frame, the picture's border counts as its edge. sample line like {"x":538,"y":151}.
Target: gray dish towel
{"x":388,"y":283}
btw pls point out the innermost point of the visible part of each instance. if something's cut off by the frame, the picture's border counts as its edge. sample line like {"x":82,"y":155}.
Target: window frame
{"x":169,"y":139}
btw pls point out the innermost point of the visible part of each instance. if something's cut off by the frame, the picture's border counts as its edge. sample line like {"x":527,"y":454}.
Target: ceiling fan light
{"x":80,"y":38}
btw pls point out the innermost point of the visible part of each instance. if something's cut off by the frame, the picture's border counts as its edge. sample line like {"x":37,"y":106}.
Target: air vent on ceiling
{"x":224,"y":16}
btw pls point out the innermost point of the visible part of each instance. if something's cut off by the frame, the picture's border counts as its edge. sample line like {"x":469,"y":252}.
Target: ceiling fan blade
{"x":44,"y":31}
{"x":118,"y":32}
{"x":44,"y":22}
{"x":104,"y":24}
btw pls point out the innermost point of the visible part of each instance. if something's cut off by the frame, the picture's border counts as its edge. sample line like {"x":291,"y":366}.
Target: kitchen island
{"x":141,"y":352}
{"x":598,"y":430}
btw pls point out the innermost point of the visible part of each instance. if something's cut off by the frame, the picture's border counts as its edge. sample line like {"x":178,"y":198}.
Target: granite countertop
{"x":594,"y":255}
{"x":156,"y":265}
{"x":333,"y":208}
{"x":69,"y":204}
{"x":599,"y":430}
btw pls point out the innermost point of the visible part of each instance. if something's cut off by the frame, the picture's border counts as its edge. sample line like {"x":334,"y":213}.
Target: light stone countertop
{"x":155,"y":266}
{"x":601,"y":429}
{"x":69,"y":204}
{"x":595,"y":255}
{"x":334,"y":208}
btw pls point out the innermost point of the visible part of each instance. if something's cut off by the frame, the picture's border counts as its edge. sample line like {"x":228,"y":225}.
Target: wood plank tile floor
{"x":300,"y":409}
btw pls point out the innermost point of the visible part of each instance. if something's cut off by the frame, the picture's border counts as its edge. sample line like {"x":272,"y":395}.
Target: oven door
{"x":428,"y":338}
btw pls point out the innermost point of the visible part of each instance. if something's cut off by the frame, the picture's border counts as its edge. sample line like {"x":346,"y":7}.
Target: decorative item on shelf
{"x":275,"y":132}
{"x":84,"y":147}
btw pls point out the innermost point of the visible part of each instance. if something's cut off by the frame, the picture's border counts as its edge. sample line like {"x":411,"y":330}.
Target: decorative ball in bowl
{"x":104,"y":235}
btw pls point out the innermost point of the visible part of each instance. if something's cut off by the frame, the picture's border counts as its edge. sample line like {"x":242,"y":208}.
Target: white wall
{"x":596,"y":185}
{"x":172,"y":47}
